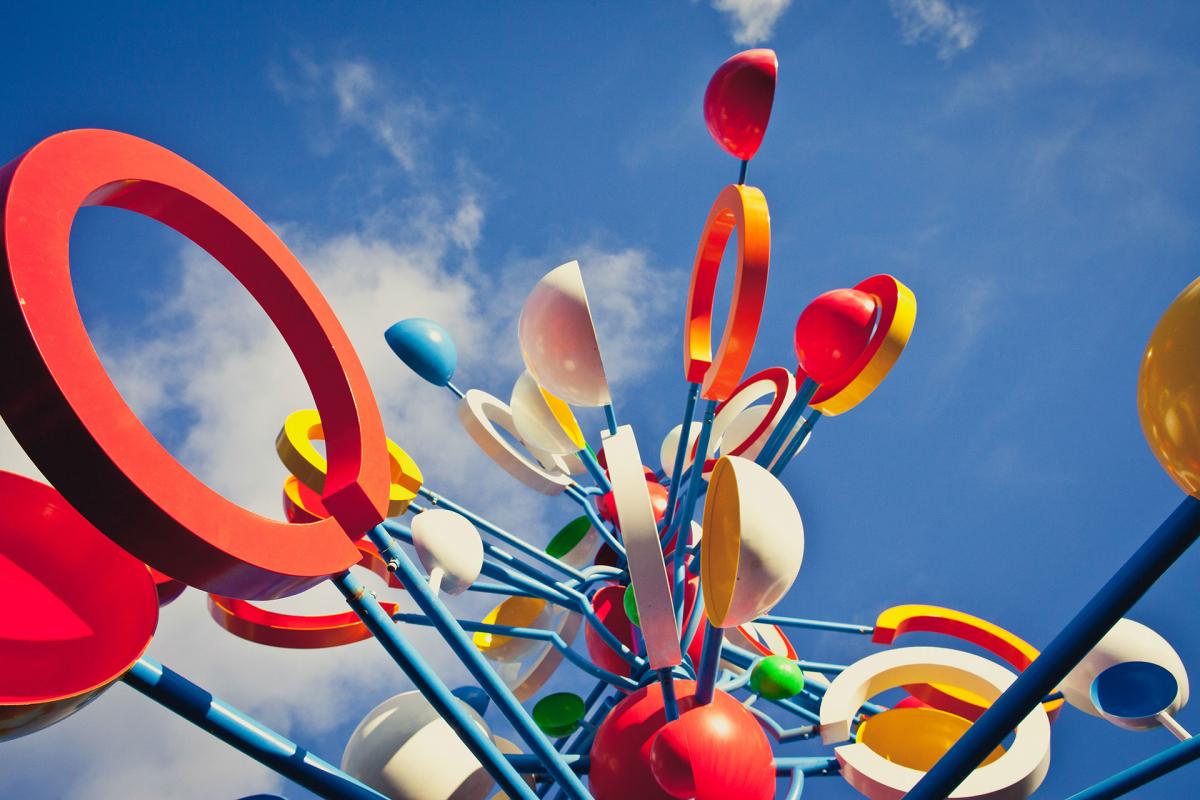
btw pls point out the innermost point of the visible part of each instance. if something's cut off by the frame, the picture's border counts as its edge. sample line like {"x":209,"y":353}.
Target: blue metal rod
{"x":796,"y":787}
{"x":539,"y":634}
{"x":815,"y":624}
{"x":683,"y":521}
{"x":475,"y":663}
{"x":786,"y":422}
{"x":1143,"y":772}
{"x":1080,"y":635}
{"x":508,"y":538}
{"x":594,"y":469}
{"x":710,"y":661}
{"x":531,"y":766}
{"x":809,"y":765}
{"x":457,"y":392}
{"x":597,"y":522}
{"x":689,"y":411}
{"x":693,"y":623}
{"x":670,"y":704}
{"x":428,"y":682}
{"x":276,"y":752}
{"x":781,"y":734}
{"x":793,"y":447}
{"x":610,"y":416}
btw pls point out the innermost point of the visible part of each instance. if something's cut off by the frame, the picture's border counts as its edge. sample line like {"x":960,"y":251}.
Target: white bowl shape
{"x":543,"y":420}
{"x":483,"y":416}
{"x":558,"y":339}
{"x":670,"y":442}
{"x":403,"y":749}
{"x":450,"y":549}
{"x":1093,"y":681}
{"x":753,"y":542}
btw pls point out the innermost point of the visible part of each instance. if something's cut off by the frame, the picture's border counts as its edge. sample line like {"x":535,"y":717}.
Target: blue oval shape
{"x":426,"y":347}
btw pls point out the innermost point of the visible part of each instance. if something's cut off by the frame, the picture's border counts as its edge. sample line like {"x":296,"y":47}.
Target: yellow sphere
{"x":1169,"y":390}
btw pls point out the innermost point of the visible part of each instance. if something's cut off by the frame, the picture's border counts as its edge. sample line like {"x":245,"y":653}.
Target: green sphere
{"x":559,"y":714}
{"x":630,"y":604}
{"x":777,"y":678}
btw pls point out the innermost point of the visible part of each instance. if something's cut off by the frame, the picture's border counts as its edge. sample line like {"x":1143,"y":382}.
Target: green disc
{"x":631,"y":606}
{"x":559,"y":714}
{"x":571,"y":534}
{"x":777,"y":678}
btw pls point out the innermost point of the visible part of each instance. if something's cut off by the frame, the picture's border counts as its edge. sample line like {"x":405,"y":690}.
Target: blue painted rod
{"x":710,"y":662}
{"x":1143,"y":772}
{"x":809,"y":765}
{"x":598,"y":523}
{"x":429,"y":684}
{"x":508,"y":538}
{"x":529,"y":765}
{"x":793,"y":447}
{"x":683,"y":521}
{"x":477,"y":665}
{"x":276,"y":752}
{"x":815,"y":624}
{"x":786,"y":422}
{"x":689,"y":411}
{"x":594,"y":469}
{"x":1080,"y":635}
{"x":610,"y":416}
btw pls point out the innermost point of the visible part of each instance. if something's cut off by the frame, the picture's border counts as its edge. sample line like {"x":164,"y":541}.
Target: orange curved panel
{"x":744,"y":209}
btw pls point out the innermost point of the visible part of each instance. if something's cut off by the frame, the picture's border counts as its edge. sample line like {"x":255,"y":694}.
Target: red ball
{"x":609,"y":605}
{"x":737,"y":102}
{"x":714,"y":752}
{"x":833,"y":331}
{"x":607,"y":505}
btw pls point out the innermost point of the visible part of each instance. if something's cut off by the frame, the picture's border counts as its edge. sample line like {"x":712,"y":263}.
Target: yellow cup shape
{"x":916,"y":737}
{"x":753,"y":542}
{"x":1169,"y":390}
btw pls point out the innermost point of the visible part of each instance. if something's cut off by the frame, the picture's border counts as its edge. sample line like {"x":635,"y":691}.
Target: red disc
{"x":832,"y":332}
{"x":737,"y":102}
{"x":68,"y":416}
{"x":78,"y":610}
{"x":724,"y":746}
{"x":609,"y":605}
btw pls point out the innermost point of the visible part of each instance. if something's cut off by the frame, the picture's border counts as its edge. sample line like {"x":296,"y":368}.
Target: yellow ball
{"x":1169,"y":390}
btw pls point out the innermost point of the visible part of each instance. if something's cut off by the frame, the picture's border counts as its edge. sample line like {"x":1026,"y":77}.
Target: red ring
{"x":778,"y":376}
{"x":64,"y":410}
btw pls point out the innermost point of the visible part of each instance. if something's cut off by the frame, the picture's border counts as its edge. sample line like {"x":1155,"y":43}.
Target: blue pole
{"x":710,"y":660}
{"x":793,"y":447}
{"x":594,"y":469}
{"x":670,"y":704}
{"x":610,"y":416}
{"x":786,"y":422}
{"x":531,"y":766}
{"x":475,"y":663}
{"x":683,"y":521}
{"x":1080,"y":635}
{"x":597,"y":522}
{"x":429,"y":684}
{"x":689,"y":411}
{"x":276,"y":752}
{"x":815,"y":624}
{"x":1143,"y":772}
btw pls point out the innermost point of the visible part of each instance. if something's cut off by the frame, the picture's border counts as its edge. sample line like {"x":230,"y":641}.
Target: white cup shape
{"x":558,"y":339}
{"x":753,"y":542}
{"x":1128,"y":642}
{"x":483,"y":416}
{"x":670,"y":442}
{"x":450,"y":549}
{"x":402,"y":748}
{"x":542,"y":420}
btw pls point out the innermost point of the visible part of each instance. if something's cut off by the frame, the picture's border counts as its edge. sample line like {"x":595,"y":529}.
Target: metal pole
{"x":276,"y":752}
{"x":689,"y":411}
{"x":710,"y":660}
{"x":1143,"y":772}
{"x":1080,"y":635}
{"x":430,"y":685}
{"x":793,"y":447}
{"x":683,"y":521}
{"x":475,"y":663}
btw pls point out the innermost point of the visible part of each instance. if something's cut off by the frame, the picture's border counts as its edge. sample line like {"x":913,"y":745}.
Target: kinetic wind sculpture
{"x":678,"y":634}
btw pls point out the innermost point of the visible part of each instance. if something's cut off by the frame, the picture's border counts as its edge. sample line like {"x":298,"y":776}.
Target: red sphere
{"x":737,"y":102}
{"x":607,"y":505}
{"x":609,"y":605}
{"x":715,"y":752}
{"x":833,"y":331}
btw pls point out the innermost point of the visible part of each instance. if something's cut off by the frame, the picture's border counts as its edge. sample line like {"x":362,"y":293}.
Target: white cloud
{"x":753,"y":20}
{"x":950,"y":28}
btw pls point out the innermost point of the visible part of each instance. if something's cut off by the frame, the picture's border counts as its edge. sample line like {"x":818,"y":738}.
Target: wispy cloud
{"x":950,"y":28}
{"x":753,"y":20}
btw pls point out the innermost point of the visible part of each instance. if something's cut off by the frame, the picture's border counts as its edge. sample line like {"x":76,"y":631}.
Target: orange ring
{"x":744,"y":208}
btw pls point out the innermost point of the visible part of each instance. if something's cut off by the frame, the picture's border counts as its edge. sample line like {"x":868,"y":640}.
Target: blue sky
{"x":1029,"y":169}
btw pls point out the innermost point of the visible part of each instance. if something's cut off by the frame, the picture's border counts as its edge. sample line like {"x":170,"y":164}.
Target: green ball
{"x":777,"y":678}
{"x":559,"y":714}
{"x":630,"y":604}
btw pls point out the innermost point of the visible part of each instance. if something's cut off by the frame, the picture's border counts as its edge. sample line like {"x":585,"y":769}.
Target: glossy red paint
{"x":609,"y":605}
{"x":719,"y":751}
{"x":738,"y":100}
{"x":69,"y":417}
{"x":78,"y":610}
{"x":833,"y":331}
